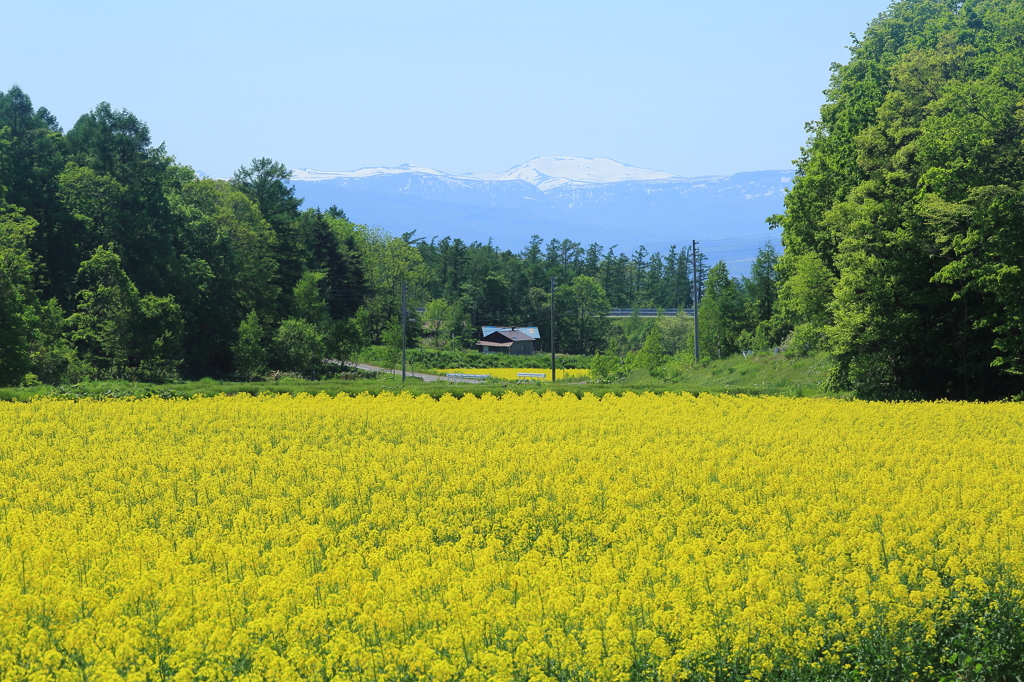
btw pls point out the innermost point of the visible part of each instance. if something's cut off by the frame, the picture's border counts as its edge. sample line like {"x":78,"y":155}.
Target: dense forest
{"x":118,"y":262}
{"x":903,"y":245}
{"x":904,"y":231}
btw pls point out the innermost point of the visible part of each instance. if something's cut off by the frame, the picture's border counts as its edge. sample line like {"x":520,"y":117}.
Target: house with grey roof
{"x":509,"y":340}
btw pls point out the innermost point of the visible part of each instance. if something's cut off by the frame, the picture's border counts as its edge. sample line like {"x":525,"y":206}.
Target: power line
{"x":749,"y":237}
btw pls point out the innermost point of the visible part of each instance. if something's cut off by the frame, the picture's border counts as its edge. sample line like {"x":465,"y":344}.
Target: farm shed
{"x":509,"y":340}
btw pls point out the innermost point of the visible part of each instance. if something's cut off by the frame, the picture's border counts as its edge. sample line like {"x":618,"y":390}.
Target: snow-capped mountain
{"x":310,"y":175}
{"x":550,"y":172}
{"x":585,"y":200}
{"x":543,"y":172}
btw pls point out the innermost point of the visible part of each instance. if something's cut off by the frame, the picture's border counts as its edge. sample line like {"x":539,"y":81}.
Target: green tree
{"x":92,"y":203}
{"x":676,"y":333}
{"x":807,"y":292}
{"x":445,"y":325}
{"x":581,"y":316}
{"x":652,"y":353}
{"x":345,"y":340}
{"x":388,"y":262}
{"x":268,"y":184}
{"x":628,"y":335}
{"x":119,"y":332}
{"x":606,"y":367}
{"x":250,"y":355}
{"x":308,"y":300}
{"x":54,"y":359}
{"x":35,"y":155}
{"x":16,"y":295}
{"x":907,"y":191}
{"x":226,"y":268}
{"x":340,"y":336}
{"x":331,"y":245}
{"x":300,"y":347}
{"x":762,"y":287}
{"x":721,"y":315}
{"x":116,"y":147}
{"x":392,"y":342}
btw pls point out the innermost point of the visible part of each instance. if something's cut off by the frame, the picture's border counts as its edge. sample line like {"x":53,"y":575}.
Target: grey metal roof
{"x":509,"y":335}
{"x":532,"y":332}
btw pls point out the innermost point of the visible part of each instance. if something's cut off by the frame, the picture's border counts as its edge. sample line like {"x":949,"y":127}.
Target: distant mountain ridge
{"x":585,"y":200}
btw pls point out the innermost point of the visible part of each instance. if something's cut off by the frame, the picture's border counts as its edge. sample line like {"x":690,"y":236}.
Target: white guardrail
{"x":531,"y":375}
{"x":456,"y":377}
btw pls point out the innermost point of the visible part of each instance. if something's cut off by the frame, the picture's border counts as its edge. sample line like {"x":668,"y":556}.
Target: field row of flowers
{"x":512,"y":374}
{"x":533,"y":536}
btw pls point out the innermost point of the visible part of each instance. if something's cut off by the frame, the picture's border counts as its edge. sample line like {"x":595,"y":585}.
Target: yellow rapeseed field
{"x":512,"y":374}
{"x":527,"y":537}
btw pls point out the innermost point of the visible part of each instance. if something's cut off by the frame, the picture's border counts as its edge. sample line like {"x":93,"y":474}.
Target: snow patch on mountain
{"x":544,"y":172}
{"x":312,"y":175}
{"x":584,"y":200}
{"x":549,"y":172}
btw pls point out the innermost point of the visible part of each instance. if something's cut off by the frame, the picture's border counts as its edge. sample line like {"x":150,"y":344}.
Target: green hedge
{"x":425,"y":358}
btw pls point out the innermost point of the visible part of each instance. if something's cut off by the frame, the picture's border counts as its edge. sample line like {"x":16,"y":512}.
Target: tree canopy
{"x":909,"y":194}
{"x":116,"y":261}
{"x":903,"y":242}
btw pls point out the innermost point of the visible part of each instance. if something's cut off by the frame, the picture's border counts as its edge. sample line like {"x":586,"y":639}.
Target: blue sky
{"x":692,"y":88}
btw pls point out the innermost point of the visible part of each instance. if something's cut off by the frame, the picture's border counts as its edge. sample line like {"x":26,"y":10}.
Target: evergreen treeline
{"x":469,"y":285}
{"x":489,"y":278}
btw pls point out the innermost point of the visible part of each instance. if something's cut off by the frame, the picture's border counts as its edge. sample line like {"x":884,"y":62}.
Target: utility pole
{"x":696,"y":329}
{"x":405,"y":318}
{"x":552,"y":330}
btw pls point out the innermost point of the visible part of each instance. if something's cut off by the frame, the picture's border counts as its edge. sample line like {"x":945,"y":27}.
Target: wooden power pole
{"x":405,"y":318}
{"x":552,"y":330}
{"x":696,"y":328}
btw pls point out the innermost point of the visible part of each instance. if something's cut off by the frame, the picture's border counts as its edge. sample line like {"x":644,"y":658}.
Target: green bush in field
{"x":607,"y":367}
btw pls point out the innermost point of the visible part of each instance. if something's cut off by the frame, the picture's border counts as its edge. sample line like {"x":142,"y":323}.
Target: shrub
{"x":250,"y":355}
{"x":299,"y":346}
{"x":607,"y":367}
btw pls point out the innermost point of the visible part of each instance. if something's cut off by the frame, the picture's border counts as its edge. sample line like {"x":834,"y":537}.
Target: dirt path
{"x":398,"y":372}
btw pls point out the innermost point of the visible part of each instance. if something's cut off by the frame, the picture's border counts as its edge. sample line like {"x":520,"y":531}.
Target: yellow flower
{"x":503,"y":538}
